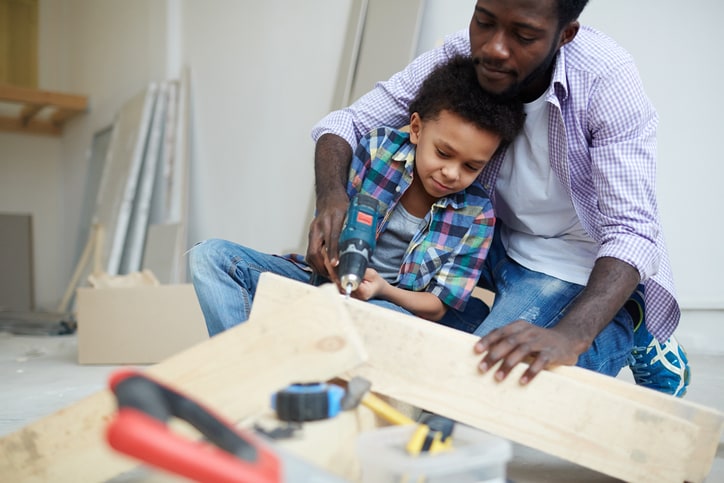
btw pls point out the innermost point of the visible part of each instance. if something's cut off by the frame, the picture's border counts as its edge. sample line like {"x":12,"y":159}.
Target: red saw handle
{"x":140,"y":430}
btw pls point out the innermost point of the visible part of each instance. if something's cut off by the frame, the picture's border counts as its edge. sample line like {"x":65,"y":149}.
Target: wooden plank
{"x":234,"y":373}
{"x":120,"y":175}
{"x":138,"y":223}
{"x":589,"y":419}
{"x":24,"y":95}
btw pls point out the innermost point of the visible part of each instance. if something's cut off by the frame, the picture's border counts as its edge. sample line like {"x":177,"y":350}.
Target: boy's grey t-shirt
{"x":393,"y":242}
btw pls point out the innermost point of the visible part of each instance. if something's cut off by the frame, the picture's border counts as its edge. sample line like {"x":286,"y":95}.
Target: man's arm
{"x":611,"y":283}
{"x":332,"y":157}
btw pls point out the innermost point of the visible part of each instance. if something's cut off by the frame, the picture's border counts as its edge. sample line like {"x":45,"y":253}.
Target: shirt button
{"x":397,"y":189}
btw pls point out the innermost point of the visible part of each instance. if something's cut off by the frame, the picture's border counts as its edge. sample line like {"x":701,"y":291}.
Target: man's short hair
{"x":569,"y":10}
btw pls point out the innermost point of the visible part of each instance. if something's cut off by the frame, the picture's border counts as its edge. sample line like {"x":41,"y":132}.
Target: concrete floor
{"x":39,"y":375}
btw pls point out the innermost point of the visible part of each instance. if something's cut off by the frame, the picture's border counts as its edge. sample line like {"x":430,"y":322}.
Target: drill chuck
{"x":353,"y":260}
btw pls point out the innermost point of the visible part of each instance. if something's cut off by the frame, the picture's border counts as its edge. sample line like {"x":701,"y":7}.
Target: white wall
{"x":107,"y":51}
{"x":30,"y":168}
{"x":262,"y":73}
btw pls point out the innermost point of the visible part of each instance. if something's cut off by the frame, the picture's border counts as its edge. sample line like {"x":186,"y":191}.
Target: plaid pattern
{"x":602,"y":137}
{"x":446,"y":256}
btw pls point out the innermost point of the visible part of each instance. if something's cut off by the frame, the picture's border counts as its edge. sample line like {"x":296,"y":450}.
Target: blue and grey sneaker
{"x":663,"y":367}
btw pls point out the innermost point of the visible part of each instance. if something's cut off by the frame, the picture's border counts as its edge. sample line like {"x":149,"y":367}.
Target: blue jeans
{"x":225,"y":276}
{"x":543,"y":300}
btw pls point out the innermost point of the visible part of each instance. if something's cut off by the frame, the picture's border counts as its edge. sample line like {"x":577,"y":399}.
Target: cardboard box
{"x":137,"y":325}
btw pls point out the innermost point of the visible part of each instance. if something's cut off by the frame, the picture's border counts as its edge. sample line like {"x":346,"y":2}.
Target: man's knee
{"x":205,"y":254}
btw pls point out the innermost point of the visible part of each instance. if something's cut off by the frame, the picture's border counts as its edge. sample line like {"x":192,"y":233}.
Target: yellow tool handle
{"x":384,"y":410}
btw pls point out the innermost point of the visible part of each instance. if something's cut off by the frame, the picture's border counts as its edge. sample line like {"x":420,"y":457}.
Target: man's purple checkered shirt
{"x":602,"y":138}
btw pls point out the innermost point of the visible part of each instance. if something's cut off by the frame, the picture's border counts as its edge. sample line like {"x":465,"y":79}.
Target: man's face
{"x":514,"y":43}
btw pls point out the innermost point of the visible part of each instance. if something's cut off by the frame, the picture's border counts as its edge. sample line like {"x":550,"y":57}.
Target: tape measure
{"x":308,"y":401}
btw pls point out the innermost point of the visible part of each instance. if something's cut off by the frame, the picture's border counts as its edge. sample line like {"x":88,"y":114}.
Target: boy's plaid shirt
{"x":446,"y":255}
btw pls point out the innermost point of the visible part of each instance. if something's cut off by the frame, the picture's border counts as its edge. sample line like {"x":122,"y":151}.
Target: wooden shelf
{"x":35,"y":111}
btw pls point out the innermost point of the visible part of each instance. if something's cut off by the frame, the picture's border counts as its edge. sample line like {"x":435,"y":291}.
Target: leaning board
{"x":596,"y":421}
{"x":233,"y":373}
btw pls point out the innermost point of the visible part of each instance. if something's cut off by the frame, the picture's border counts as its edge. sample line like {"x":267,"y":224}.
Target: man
{"x":579,"y":235}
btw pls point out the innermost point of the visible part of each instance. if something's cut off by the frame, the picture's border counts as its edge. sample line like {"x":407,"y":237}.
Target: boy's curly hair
{"x":454,"y":87}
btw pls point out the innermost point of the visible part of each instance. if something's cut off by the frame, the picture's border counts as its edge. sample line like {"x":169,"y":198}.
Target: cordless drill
{"x":357,"y":241}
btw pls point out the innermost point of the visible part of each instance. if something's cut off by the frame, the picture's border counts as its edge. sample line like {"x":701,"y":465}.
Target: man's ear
{"x":415,"y":127}
{"x":568,"y":33}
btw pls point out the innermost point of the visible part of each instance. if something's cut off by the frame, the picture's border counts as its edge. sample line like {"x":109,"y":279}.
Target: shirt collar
{"x":559,"y":81}
{"x":406,"y":155}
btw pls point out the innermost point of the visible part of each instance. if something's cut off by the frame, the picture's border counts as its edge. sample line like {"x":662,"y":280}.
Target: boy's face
{"x":451,"y":152}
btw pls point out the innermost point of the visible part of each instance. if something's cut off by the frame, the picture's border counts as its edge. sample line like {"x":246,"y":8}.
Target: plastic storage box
{"x":476,"y":456}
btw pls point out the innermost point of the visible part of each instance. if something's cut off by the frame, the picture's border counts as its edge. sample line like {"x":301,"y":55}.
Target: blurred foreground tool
{"x":302,"y":402}
{"x":140,"y":430}
{"x":433,"y":434}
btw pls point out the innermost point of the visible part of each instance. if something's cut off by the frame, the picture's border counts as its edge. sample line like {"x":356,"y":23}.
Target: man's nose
{"x":496,"y":46}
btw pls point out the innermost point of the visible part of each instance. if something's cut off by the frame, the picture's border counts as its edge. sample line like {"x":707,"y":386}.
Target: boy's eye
{"x":473,"y":167}
{"x":442,"y":154}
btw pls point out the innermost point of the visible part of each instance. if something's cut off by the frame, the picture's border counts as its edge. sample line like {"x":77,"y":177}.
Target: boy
{"x":437,"y":221}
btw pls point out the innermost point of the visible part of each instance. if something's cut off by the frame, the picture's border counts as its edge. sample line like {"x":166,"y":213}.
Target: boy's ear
{"x":415,"y":127}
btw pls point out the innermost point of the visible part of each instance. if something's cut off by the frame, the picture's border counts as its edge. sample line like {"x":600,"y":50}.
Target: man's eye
{"x":483,"y":23}
{"x":526,"y":39}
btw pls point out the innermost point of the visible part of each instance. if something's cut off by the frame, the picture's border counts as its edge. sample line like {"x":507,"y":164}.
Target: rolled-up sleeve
{"x":623,"y":154}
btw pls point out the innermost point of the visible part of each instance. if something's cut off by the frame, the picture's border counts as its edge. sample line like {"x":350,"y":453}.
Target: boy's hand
{"x":372,"y":285}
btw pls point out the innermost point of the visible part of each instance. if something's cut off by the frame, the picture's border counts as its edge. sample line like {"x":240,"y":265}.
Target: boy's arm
{"x":421,"y":304}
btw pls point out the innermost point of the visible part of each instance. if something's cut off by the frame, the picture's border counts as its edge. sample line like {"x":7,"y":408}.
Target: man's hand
{"x":324,"y":231}
{"x":609,"y":286}
{"x":523,"y":341}
{"x":332,"y":156}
